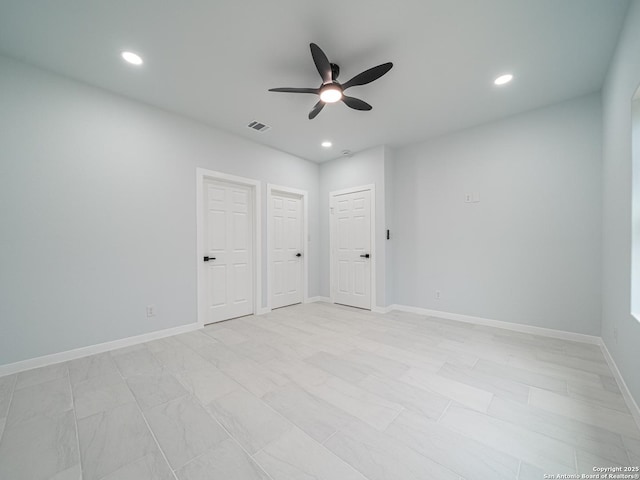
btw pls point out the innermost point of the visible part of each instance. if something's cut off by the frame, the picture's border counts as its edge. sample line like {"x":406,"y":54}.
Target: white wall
{"x":622,"y":81}
{"x":98,"y":211}
{"x":389,"y":199}
{"x":364,"y":168}
{"x":529,"y":251}
{"x":635,"y":214}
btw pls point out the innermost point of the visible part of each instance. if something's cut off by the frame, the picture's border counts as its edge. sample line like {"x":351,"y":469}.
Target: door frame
{"x":203,"y":174}
{"x":372,"y":189}
{"x":304,"y":195}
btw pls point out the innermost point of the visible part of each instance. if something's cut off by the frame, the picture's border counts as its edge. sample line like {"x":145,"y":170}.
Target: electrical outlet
{"x":438,"y":294}
{"x":615,"y":334}
{"x":151,"y":310}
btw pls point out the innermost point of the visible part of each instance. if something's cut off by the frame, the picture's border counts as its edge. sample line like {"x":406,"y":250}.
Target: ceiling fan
{"x":331,"y":90}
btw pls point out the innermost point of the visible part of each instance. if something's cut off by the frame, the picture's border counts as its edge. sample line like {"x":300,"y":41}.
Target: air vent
{"x":258,"y":126}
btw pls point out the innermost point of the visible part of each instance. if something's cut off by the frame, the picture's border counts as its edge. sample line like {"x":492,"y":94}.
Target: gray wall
{"x":621,"y":83}
{"x":390,"y":196}
{"x":364,"y":168}
{"x":98,"y":211}
{"x":635,"y":214}
{"x":529,"y":251}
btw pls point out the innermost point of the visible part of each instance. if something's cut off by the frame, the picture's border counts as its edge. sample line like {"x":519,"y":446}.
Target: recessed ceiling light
{"x":503,"y":79}
{"x":132,"y":58}
{"x":326,"y":144}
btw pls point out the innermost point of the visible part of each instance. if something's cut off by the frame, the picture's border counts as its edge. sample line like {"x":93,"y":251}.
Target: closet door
{"x":351,"y":255}
{"x":229,"y":245}
{"x":286,"y":250}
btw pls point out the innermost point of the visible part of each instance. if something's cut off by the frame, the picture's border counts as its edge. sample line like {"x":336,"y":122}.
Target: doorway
{"x":353,"y":246}
{"x":228,"y":246}
{"x":287,"y":234}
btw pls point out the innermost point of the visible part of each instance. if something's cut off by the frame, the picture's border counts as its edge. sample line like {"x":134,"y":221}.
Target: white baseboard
{"x":517,"y":327}
{"x":626,"y":393}
{"x":318,"y":299}
{"x":545,"y":332}
{"x":92,"y":349}
{"x":382,"y":309}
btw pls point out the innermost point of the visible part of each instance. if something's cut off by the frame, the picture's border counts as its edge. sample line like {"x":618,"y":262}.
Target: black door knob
{"x":366,"y":255}
{"x":206,"y":259}
{"x":298,"y":254}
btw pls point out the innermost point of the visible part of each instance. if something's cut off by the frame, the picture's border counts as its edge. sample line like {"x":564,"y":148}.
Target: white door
{"x":351,"y":256}
{"x":228,"y":240}
{"x":286,"y":243}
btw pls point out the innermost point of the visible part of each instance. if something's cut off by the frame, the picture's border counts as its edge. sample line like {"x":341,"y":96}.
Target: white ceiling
{"x":213,"y":60}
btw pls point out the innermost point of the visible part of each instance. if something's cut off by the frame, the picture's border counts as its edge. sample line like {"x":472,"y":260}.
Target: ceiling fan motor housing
{"x":335,"y":71}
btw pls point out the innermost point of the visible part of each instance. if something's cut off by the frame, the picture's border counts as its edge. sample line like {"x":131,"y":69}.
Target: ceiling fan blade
{"x":368,"y":76}
{"x":356,"y":103}
{"x":295,"y":90}
{"x":322,"y":63}
{"x":316,"y":110}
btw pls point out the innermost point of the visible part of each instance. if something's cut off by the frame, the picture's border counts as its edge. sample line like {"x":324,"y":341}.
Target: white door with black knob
{"x":228,"y":258}
{"x":351,"y":248}
{"x":286,"y":243}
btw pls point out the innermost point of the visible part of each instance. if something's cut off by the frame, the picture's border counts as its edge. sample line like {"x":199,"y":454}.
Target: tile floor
{"x":320,"y":392}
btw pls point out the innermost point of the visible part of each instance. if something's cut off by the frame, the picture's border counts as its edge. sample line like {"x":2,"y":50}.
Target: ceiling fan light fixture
{"x":503,"y":79}
{"x":132,"y":58}
{"x":331,"y":93}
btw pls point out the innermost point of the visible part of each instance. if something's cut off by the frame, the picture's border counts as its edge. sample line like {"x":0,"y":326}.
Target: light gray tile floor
{"x":320,"y":392}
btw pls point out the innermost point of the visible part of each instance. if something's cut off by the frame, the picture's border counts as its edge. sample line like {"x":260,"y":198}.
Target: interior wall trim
{"x":632,"y":405}
{"x":382,"y":309}
{"x":626,"y":393}
{"x":317,"y":299}
{"x":68,"y":355}
{"x":60,"y":357}
{"x":516,"y":327}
